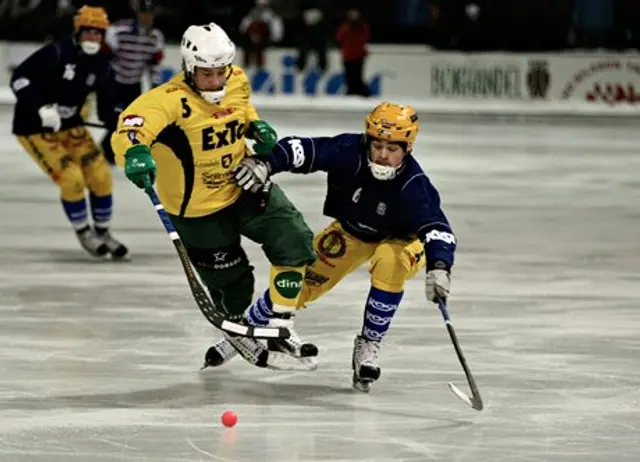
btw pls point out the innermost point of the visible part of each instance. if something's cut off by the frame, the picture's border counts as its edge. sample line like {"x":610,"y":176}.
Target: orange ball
{"x":229,"y":419}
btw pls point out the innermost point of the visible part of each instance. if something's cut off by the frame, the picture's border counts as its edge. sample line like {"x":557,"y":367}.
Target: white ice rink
{"x":99,"y":361}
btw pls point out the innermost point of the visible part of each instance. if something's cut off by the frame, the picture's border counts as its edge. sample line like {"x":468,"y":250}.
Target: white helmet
{"x":206,"y":46}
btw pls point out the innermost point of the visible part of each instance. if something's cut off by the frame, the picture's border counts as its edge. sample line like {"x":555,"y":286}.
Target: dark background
{"x":510,"y":25}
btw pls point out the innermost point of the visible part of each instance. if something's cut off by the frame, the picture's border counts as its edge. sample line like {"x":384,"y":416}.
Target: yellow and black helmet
{"x":90,"y":17}
{"x":393,"y":122}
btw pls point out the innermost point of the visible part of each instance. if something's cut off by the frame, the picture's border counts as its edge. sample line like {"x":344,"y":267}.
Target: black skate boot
{"x":365,"y":369}
{"x":91,"y":242}
{"x":256,"y":353}
{"x":219,"y":354}
{"x":116,"y":248}
{"x":294,"y":345}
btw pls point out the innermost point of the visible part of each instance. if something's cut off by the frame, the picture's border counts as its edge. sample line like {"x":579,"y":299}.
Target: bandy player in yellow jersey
{"x":194,"y":129}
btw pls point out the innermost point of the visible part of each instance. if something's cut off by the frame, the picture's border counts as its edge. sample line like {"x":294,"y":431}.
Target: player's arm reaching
{"x":138,"y":127}
{"x":297,"y":155}
{"x":433,"y":229}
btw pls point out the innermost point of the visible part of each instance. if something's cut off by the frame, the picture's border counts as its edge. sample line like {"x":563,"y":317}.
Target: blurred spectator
{"x":135,"y":46}
{"x":628,"y":14}
{"x":593,"y":23}
{"x":353,"y":35}
{"x":313,"y":33}
{"x":261,"y":27}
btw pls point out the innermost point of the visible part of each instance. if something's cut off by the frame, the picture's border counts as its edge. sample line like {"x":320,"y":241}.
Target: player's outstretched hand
{"x":50,"y":117}
{"x":265,"y":136}
{"x":252,"y":174}
{"x":438,"y":284}
{"x":139,"y":166}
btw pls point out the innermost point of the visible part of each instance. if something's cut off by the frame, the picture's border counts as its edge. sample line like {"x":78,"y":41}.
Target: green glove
{"x":265,"y":136}
{"x":139,"y":166}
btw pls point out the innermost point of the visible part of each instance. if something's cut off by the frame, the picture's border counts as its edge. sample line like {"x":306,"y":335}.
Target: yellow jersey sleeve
{"x":245,"y":87}
{"x":144,"y":119}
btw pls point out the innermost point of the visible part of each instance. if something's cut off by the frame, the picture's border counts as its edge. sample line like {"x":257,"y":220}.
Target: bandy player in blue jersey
{"x":386,"y":212}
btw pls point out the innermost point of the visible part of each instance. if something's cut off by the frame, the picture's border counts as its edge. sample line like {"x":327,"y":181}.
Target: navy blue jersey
{"x":370,"y":209}
{"x":60,"y":73}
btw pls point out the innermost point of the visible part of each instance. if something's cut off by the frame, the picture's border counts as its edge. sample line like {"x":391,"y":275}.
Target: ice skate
{"x":92,"y":243}
{"x":116,"y":248}
{"x":219,"y":354}
{"x":256,"y":353}
{"x":365,"y":369}
{"x":294,"y":345}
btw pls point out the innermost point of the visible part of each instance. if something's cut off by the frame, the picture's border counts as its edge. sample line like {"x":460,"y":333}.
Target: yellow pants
{"x":393,"y":262}
{"x":72,"y":160}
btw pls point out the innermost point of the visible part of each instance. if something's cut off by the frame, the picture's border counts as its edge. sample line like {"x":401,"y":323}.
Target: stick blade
{"x":474,"y":401}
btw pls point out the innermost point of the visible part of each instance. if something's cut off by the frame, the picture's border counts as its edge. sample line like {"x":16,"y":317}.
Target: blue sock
{"x":261,"y":311}
{"x":378,"y":313}
{"x":76,"y":213}
{"x":101,"y":207}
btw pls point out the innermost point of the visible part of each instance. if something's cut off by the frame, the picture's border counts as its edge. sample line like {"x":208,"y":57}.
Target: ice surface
{"x":99,"y":362}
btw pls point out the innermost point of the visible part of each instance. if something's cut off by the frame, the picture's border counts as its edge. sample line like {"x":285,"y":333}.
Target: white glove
{"x":50,"y":117}
{"x":252,"y":174}
{"x":438,"y":284}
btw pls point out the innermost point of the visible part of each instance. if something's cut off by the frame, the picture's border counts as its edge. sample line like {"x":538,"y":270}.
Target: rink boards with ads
{"x":571,"y":83}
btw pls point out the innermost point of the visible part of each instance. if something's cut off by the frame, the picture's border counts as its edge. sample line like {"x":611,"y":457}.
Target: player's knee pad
{"x":71,"y":182}
{"x":97,"y":173}
{"x":393,"y":263}
{"x":228,"y":275}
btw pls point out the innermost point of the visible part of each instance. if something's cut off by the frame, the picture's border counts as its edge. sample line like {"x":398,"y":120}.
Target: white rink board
{"x":455,"y":80}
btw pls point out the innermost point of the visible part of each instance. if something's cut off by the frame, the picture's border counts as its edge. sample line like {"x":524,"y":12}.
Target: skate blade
{"x":283,"y":362}
{"x":361,"y":386}
{"x":124,"y":259}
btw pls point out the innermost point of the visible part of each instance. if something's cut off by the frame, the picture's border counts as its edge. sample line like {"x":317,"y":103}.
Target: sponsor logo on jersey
{"x":69,"y":71}
{"x":332,"y":245}
{"x":19,"y":84}
{"x":91,"y":79}
{"x":222,"y":114}
{"x":133,"y":121}
{"x":356,"y":195}
{"x":381,"y":209}
{"x":298,"y":152}
{"x":288,"y":284}
{"x":435,"y":235}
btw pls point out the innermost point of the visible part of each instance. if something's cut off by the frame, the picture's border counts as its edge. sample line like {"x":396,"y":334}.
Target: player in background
{"x":194,"y":128}
{"x":386,"y":212}
{"x":51,"y":87}
{"x":135,"y":47}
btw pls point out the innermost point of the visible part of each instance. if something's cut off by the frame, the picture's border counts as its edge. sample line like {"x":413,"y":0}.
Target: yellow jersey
{"x":195,"y":144}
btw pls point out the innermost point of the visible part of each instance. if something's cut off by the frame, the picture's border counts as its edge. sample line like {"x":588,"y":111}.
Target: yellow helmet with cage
{"x":394,"y":123}
{"x":91,"y":17}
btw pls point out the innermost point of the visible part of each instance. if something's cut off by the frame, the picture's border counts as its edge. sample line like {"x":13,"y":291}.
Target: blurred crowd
{"x":470,"y":25}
